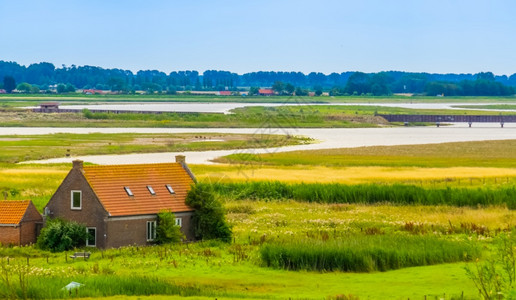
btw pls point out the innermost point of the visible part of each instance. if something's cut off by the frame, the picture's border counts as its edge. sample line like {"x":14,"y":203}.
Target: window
{"x":179,"y":222}
{"x":170,"y":189}
{"x":92,"y":237}
{"x":128,"y":191}
{"x":151,"y":230}
{"x":76,"y":200}
{"x":151,"y":190}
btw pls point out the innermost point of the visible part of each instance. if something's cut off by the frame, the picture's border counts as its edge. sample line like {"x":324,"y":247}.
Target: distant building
{"x":49,"y":107}
{"x":2,"y":91}
{"x":225,"y":93}
{"x":94,"y":92}
{"x":266,"y":92}
{"x":20,"y":222}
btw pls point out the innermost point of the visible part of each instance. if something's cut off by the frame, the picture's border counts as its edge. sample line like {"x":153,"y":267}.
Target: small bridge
{"x":438,"y":119}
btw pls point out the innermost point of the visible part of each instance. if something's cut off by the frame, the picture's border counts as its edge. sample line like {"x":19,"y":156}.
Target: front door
{"x":91,"y":240}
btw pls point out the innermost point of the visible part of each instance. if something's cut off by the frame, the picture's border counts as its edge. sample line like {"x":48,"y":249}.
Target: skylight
{"x":170,"y":189}
{"x":128,"y":191}
{"x":151,"y":190}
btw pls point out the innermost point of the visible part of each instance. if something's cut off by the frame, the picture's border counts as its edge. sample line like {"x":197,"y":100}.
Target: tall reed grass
{"x":367,"y":193}
{"x":96,"y":286}
{"x":365,"y":253}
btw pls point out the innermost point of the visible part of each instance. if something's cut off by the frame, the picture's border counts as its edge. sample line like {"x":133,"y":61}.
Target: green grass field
{"x":305,"y":233}
{"x":34,"y":147}
{"x":497,"y":154}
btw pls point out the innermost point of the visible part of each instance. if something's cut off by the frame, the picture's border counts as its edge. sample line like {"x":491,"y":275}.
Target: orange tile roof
{"x":12,"y":211}
{"x":108,"y":182}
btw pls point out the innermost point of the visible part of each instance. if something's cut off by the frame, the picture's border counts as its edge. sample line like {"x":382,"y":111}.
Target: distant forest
{"x":40,"y":77}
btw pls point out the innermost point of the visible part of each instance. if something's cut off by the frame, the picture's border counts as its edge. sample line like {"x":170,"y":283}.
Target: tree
{"x":24,"y":87}
{"x":70,"y":88}
{"x":59,"y":235}
{"x":301,"y":92}
{"x":61,"y":88}
{"x":289,"y":88}
{"x":278,"y":87}
{"x":167,"y":231}
{"x":358,"y":83}
{"x":489,"y":76}
{"x":209,"y":218}
{"x":318,"y":90}
{"x":254,"y":90}
{"x":9,"y":84}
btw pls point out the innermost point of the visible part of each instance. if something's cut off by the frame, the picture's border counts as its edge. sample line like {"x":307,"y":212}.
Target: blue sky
{"x":438,"y":36}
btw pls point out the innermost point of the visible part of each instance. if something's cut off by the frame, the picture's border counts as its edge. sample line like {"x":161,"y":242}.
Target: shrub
{"x":209,"y":218}
{"x":167,"y":231}
{"x":59,"y":235}
{"x":495,"y":278}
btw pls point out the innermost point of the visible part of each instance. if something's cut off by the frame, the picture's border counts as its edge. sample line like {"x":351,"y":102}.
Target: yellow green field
{"x":233,"y":271}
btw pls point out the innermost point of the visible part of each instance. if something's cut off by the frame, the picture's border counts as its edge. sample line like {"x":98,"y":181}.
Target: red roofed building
{"x":20,"y":222}
{"x":225,"y":93}
{"x":119,"y":203}
{"x":266,"y":92}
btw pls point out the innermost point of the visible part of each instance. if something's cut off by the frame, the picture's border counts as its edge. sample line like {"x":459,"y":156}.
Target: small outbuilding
{"x":49,"y":107}
{"x":20,"y":222}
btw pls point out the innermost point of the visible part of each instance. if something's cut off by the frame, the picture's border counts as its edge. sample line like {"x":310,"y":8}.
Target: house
{"x":93,"y":92}
{"x":49,"y":107}
{"x":225,"y":93}
{"x":20,"y":222}
{"x":266,"y":92}
{"x":119,"y":203}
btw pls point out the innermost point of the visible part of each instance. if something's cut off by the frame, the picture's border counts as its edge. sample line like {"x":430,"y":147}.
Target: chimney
{"x":181,"y":159}
{"x":77,"y":164}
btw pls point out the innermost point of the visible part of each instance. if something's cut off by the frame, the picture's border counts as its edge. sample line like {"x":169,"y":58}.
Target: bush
{"x":496,"y":276}
{"x":59,"y":235}
{"x":209,"y":218}
{"x":167,"y":231}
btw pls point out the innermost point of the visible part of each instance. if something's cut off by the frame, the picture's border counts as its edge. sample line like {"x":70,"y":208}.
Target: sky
{"x":434,"y":36}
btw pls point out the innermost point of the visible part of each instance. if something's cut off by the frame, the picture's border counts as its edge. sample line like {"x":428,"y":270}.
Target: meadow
{"x":301,"y":238}
{"x":36,"y":147}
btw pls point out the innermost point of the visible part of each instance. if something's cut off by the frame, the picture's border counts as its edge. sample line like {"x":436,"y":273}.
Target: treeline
{"x":45,"y":76}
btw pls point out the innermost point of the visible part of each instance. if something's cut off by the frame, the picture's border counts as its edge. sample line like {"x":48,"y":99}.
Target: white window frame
{"x":170,"y":189}
{"x":151,"y":230}
{"x":95,"y":237}
{"x":151,"y":190}
{"x":128,"y":191}
{"x":71,"y":200}
{"x":179,"y":222}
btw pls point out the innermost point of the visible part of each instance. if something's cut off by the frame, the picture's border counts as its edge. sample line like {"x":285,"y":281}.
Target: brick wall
{"x":91,"y":214}
{"x":28,"y":225}
{"x":9,"y":235}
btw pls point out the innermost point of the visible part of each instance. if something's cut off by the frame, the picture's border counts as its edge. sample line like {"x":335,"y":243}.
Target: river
{"x":326,"y":138}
